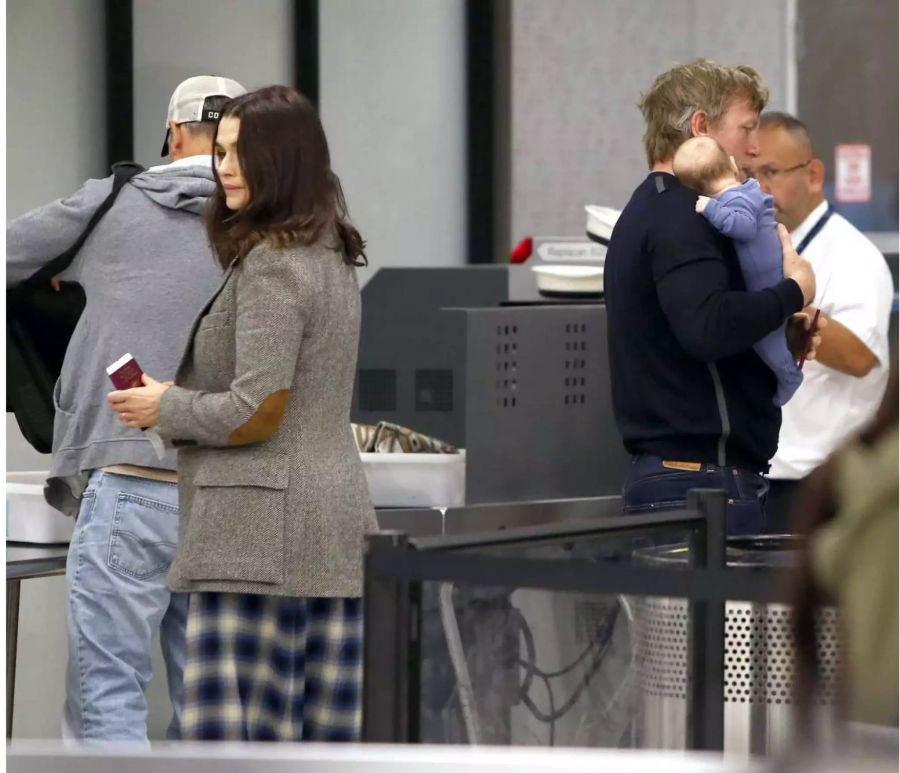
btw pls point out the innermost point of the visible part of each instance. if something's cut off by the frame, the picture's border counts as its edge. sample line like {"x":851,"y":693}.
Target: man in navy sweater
{"x":692,"y":400}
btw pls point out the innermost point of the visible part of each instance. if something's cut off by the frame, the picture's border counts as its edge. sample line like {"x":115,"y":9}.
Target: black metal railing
{"x":396,"y":568}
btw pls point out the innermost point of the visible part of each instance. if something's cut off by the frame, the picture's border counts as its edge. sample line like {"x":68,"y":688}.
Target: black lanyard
{"x":814,"y":231}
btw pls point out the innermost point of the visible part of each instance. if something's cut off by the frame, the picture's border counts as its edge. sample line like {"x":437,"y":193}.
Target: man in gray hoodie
{"x":146,"y":270}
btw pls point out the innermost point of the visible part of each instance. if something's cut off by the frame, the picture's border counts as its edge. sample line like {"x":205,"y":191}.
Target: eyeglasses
{"x":767,"y":173}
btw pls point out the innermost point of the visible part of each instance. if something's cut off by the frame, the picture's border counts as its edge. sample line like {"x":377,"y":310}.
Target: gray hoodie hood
{"x":182,"y":187}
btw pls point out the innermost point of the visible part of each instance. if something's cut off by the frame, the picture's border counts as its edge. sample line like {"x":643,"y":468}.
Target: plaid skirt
{"x":272,"y":668}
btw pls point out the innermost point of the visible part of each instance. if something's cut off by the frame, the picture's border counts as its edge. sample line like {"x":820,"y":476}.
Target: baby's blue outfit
{"x":747,"y":215}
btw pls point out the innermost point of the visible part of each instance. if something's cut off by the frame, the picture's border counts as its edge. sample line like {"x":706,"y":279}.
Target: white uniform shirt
{"x":854,"y":287}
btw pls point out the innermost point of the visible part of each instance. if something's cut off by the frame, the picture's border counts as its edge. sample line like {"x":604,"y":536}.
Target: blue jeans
{"x":651,"y":486}
{"x":120,"y":552}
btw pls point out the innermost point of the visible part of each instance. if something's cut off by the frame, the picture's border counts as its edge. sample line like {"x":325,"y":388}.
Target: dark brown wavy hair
{"x":294,"y":197}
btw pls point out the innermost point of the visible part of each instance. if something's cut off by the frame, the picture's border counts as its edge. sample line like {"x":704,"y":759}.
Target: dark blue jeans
{"x":650,"y":486}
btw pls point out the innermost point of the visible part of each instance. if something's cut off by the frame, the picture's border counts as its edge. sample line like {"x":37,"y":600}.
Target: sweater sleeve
{"x":272,"y":309}
{"x":38,"y":236}
{"x":711,"y":319}
{"x":734,"y":216}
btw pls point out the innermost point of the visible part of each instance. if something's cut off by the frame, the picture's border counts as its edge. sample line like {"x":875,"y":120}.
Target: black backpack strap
{"x":122,"y":173}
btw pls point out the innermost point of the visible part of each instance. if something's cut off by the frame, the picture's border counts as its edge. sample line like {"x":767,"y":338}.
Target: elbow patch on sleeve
{"x":265,"y":420}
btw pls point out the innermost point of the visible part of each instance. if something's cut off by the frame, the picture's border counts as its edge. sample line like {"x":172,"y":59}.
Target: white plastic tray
{"x":416,"y":480}
{"x":28,"y":516}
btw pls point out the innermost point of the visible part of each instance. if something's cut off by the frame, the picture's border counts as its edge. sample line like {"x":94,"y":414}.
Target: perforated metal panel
{"x":575,"y":371}
{"x":759,"y":651}
{"x":507,"y":365}
{"x":539,"y":420}
{"x":661,"y":639}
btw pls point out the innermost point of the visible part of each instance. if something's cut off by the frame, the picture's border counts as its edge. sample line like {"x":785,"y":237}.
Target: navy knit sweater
{"x":686,"y":383}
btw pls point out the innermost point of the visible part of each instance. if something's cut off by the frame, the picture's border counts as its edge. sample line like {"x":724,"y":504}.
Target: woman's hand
{"x":139,"y":407}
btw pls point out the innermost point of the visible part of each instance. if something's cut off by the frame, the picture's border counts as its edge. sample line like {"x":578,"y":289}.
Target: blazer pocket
{"x":236,"y":526}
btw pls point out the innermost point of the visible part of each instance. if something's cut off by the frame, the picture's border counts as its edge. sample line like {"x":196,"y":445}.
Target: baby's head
{"x":701,"y":163}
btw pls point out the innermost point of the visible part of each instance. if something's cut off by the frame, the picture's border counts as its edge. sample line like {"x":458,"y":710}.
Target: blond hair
{"x":670,"y":103}
{"x":701,"y":161}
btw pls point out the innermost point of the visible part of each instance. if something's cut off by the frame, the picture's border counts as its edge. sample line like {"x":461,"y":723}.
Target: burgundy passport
{"x":125,"y":373}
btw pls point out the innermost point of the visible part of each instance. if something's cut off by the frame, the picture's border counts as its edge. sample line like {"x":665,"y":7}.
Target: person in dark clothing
{"x":693,"y":401}
{"x":746,"y":215}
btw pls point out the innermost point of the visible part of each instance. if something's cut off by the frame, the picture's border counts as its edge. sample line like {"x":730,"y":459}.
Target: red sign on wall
{"x":853,"y":173}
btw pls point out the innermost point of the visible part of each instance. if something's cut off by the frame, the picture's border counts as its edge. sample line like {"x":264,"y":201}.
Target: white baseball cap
{"x":189,"y":102}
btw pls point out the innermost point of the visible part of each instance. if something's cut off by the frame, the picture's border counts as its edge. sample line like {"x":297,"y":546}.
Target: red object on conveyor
{"x":522,"y":251}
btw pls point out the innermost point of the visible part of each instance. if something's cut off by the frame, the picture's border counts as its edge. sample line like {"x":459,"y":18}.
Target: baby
{"x":744,"y":213}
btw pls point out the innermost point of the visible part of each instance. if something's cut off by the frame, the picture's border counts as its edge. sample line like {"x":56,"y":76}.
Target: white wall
{"x":56,"y":109}
{"x":57,"y":114}
{"x":250,"y":41}
{"x":578,"y":70}
{"x":392,"y":98}
{"x":55,"y":139}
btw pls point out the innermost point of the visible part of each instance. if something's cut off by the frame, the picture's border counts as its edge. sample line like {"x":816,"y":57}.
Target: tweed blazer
{"x":272,"y":492}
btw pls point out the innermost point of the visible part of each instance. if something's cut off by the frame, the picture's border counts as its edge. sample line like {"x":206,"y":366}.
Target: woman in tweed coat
{"x":274,"y":503}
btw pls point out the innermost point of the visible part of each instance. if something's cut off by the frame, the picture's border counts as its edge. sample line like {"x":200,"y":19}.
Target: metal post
{"x":119,"y":81}
{"x":12,"y":636}
{"x":306,"y":48}
{"x":390,"y":671}
{"x":706,"y":715}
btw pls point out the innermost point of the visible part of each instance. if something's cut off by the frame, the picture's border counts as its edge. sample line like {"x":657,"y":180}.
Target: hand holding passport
{"x":804,"y":334}
{"x":126,"y":374}
{"x":818,"y":322}
{"x":813,"y":329}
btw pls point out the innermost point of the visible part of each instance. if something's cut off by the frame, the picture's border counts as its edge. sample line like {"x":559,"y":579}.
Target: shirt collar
{"x":201,"y":160}
{"x":798,"y":234}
